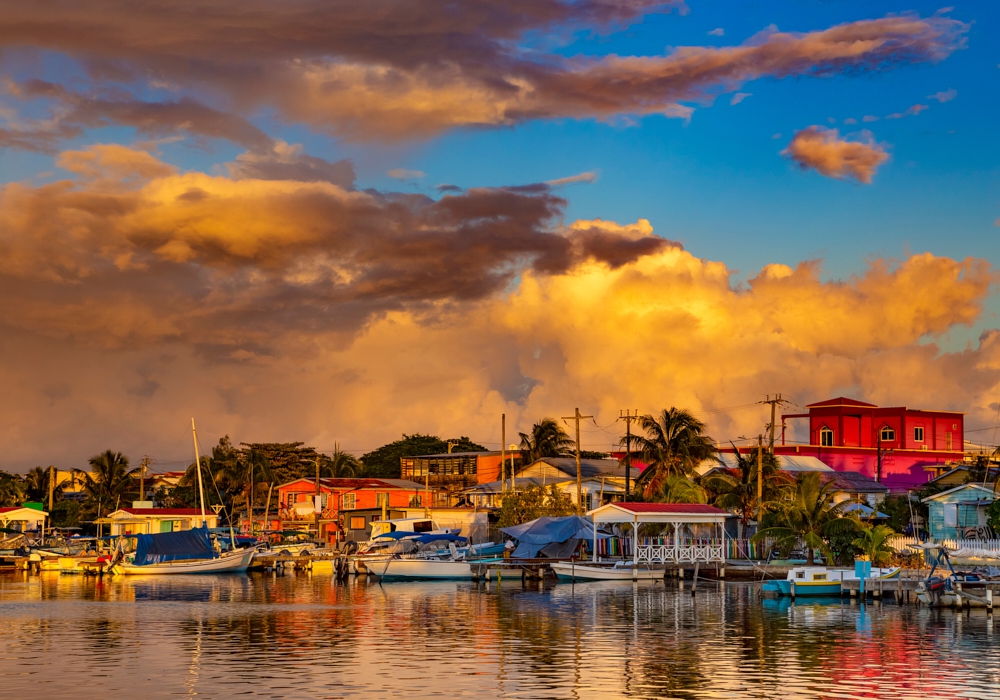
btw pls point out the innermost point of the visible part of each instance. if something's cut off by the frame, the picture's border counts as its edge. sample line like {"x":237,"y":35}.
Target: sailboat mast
{"x":197,"y":462}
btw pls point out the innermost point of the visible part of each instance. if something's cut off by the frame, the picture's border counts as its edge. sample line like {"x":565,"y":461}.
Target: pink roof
{"x":671,"y":508}
{"x":168,"y":511}
{"x":841,"y":401}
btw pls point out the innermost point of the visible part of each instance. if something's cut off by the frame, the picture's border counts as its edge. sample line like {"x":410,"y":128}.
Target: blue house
{"x":960,"y":513}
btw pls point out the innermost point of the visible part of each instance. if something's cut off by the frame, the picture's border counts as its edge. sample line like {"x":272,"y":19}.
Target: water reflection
{"x":304,"y":636}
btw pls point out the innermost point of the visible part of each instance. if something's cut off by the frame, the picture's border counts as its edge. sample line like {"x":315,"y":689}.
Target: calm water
{"x":308,"y":637}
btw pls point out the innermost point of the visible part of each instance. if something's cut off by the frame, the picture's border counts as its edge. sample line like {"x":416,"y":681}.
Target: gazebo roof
{"x":658,"y":513}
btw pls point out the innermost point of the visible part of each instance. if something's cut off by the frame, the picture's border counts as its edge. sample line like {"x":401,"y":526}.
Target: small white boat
{"x":230,"y":562}
{"x":620,"y":571}
{"x":421,"y":569}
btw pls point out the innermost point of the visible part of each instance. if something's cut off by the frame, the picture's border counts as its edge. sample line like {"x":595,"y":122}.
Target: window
{"x":825,"y":437}
{"x":887,"y":434}
{"x":967,"y":515}
{"x":357,"y":522}
{"x":918,"y":434}
{"x":381,"y":499}
{"x":350,"y":501}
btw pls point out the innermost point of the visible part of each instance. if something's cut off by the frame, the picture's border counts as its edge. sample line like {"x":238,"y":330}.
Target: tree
{"x":674,"y":443}
{"x":11,"y":490}
{"x":736,"y":489}
{"x":809,"y":516}
{"x":36,"y":484}
{"x":340,"y":464}
{"x":547,"y":439}
{"x":534,"y":502}
{"x":288,"y":460}
{"x":108,"y":480}
{"x":385,"y":461}
{"x":874,"y":543}
{"x":680,"y":489}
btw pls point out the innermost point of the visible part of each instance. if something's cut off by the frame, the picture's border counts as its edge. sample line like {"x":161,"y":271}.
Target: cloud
{"x":345,"y":69}
{"x":580,"y":177}
{"x":944,"y":96}
{"x":739,"y":97}
{"x":824,"y":151}
{"x":911,"y":112}
{"x":719,"y":31}
{"x":869,"y":118}
{"x":288,"y":162}
{"x":445,"y":188}
{"x":403,"y":174}
{"x":850,"y":120}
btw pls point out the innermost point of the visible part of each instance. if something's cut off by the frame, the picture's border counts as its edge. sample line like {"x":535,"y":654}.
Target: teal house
{"x":960,"y":513}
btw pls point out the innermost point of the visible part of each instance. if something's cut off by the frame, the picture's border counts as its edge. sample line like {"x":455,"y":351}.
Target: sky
{"x":337,"y":223}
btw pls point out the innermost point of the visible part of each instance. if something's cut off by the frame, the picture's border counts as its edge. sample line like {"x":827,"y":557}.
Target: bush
{"x":534,"y":502}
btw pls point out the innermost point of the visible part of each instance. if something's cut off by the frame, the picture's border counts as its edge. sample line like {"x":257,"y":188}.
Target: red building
{"x":297,"y":510}
{"x":892,"y":445}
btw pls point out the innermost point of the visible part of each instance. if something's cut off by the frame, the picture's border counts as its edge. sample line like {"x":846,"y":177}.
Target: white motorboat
{"x":620,"y":571}
{"x":230,"y":562}
{"x":422,"y":569}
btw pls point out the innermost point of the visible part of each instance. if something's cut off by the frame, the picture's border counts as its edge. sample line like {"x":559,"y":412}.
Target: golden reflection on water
{"x":307,"y":636}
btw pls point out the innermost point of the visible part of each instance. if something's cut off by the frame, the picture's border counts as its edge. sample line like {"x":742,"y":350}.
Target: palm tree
{"x":674,"y":443}
{"x":339,"y":464}
{"x":677,"y":488}
{"x":874,"y":543}
{"x":737,"y":491}
{"x":109,"y":477}
{"x":547,"y":439}
{"x":247,"y":469}
{"x":11,"y":490}
{"x":36,"y":483}
{"x":810,"y":516}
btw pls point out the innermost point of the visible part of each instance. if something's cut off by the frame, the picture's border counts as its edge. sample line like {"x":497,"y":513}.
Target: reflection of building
{"x":338,"y":498}
{"x":602,"y":481}
{"x":891,"y":445}
{"x":960,"y":513}
{"x":148,"y":521}
{"x":453,"y":472}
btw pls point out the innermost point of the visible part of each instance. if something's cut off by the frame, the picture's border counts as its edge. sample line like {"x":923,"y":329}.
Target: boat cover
{"x":550,"y":537}
{"x":172,"y":546}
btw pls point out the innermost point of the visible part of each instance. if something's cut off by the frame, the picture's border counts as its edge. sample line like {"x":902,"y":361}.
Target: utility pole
{"x":775,"y":402}
{"x":142,"y":477}
{"x":760,"y":472}
{"x":628,"y":418}
{"x":579,"y":478}
{"x":503,"y":452}
{"x":52,"y":487}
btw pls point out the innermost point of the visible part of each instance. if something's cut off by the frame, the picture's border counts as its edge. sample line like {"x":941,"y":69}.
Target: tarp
{"x":171,"y":546}
{"x":536,"y":537}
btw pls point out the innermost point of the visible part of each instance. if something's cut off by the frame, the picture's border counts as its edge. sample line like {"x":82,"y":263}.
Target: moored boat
{"x":620,"y":571}
{"x":821,"y":581}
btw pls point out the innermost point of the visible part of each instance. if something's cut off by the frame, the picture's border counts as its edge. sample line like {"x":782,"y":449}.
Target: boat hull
{"x":420,"y":569}
{"x":567,"y":571}
{"x":807,"y":588}
{"x":231,"y":563}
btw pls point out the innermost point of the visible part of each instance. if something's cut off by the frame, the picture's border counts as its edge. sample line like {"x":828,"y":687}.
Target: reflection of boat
{"x":620,"y":571}
{"x":820,"y":580}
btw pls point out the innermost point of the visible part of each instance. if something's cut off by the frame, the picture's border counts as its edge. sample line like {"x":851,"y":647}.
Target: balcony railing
{"x":683,"y":554}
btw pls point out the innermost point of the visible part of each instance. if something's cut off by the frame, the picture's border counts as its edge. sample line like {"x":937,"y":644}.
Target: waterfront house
{"x":893,"y":445}
{"x":337,"y":499}
{"x":450,"y":473}
{"x":147,"y":521}
{"x":23,"y":518}
{"x":960,"y":513}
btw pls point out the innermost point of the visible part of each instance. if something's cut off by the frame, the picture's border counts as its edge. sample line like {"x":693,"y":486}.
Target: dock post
{"x":694,"y":584}
{"x":792,"y":587}
{"x":989,"y":599}
{"x":899,"y":591}
{"x":722,"y":571}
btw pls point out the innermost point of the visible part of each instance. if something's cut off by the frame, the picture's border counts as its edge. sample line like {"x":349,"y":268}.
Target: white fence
{"x":689,"y":554}
{"x":901,"y":544}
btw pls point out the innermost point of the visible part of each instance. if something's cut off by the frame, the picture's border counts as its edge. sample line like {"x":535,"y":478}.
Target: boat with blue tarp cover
{"x":183,"y":552}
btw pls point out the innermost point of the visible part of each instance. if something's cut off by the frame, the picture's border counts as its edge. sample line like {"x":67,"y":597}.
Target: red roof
{"x":671,"y":508}
{"x":350,"y":484}
{"x":169,"y":511}
{"x":841,"y":401}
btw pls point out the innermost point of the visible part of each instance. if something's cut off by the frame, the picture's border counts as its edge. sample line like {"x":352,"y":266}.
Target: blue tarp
{"x":397,"y":535}
{"x":171,"y":546}
{"x":423,"y":539}
{"x":534,"y":536}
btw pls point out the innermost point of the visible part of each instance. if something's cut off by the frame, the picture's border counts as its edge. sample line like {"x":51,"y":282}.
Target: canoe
{"x":567,"y":571}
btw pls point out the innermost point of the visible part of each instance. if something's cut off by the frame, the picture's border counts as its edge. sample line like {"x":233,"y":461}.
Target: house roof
{"x":499,"y":486}
{"x":854,"y":482}
{"x":477,"y":453}
{"x":788,"y":463}
{"x":589,"y":468}
{"x":11,"y":509}
{"x":984,"y":489}
{"x":840,"y":401}
{"x":957,"y":468}
{"x":678,"y":513}
{"x":670,"y":508}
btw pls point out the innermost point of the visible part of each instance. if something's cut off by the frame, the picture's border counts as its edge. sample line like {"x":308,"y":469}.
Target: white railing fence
{"x":901,"y":544}
{"x":689,"y":554}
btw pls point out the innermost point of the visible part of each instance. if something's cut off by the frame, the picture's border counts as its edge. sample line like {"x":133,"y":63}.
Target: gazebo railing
{"x":711,"y":551}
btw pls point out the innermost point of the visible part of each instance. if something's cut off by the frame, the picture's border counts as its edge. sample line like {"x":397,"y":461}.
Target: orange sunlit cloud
{"x":825,"y":152}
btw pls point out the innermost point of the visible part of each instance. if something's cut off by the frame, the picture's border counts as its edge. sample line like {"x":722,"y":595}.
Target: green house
{"x":960,"y":513}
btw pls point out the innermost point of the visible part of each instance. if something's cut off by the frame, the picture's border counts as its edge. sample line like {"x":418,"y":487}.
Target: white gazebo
{"x":684,"y":549}
{"x":23,"y":516}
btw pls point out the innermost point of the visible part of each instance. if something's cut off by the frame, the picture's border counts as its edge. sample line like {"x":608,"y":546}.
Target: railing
{"x":901,"y":544}
{"x":669,"y":554}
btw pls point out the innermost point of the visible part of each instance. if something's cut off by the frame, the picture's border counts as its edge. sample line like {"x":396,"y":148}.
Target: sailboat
{"x":186,"y":551}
